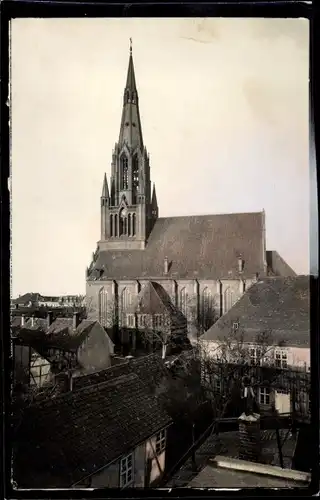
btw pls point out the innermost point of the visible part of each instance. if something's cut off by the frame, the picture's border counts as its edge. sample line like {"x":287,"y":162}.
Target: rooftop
{"x":74,"y":435}
{"x":281,"y":305}
{"x":199,"y":246}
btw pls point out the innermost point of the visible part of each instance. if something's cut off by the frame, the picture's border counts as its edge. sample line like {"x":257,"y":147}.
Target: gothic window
{"x":125,"y":226}
{"x":133,"y":224}
{"x":129,"y":225}
{"x":103,"y":307}
{"x":183,"y":301}
{"x":124,"y":172}
{"x":228,"y":299}
{"x":116,"y":225}
{"x":207,"y":308}
{"x":135,"y":178}
{"x":125,"y":299}
{"x":111,"y":225}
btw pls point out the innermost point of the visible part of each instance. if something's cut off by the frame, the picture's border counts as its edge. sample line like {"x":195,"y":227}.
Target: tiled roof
{"x":27,"y":297}
{"x":150,"y":369}
{"x":204,"y":246}
{"x":63,"y":440}
{"x":281,"y":305}
{"x":60,"y":334}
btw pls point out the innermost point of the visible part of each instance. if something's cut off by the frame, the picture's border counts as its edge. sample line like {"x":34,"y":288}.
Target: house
{"x":111,"y":434}
{"x":65,"y":343}
{"x":268,"y":328}
{"x":203,"y":262}
{"x":153,"y":320}
{"x":26,"y":300}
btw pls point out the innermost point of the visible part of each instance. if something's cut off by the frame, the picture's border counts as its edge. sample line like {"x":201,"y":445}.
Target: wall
{"x":94,"y":353}
{"x":297,"y":357}
{"x":110,"y":476}
{"x":224,"y":294}
{"x":157,"y":465}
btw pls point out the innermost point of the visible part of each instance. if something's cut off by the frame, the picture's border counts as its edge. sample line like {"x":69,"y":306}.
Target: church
{"x":201,"y":263}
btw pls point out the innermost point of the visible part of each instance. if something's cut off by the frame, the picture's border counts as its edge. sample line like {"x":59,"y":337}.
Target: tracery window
{"x":103,"y":307}
{"x":135,"y":178}
{"x":124,"y":184}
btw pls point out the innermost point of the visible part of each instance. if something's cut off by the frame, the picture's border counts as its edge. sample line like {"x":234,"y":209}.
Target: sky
{"x":224,"y":105}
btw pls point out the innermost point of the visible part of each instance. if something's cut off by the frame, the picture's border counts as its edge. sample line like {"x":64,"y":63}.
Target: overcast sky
{"x":225,"y":118}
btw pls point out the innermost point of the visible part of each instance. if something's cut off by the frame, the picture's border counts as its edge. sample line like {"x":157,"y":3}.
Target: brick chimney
{"x":75,"y":320}
{"x":64,"y":382}
{"x":249,"y":437}
{"x":49,"y":318}
{"x":22,"y":320}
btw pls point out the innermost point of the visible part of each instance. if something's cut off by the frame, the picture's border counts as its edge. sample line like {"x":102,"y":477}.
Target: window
{"x":264,"y":395}
{"x":103,"y":307}
{"x":255,"y":356}
{"x":157,"y":321}
{"x":126,"y":471}
{"x":133,"y":224}
{"x":142,"y":320}
{"x":160,"y":442}
{"x":281,"y":360}
{"x":129,"y":225}
{"x":183,"y":301}
{"x":124,"y":172}
{"x":39,"y":374}
{"x":135,"y":178}
{"x":130,"y":320}
{"x":111,"y":225}
{"x":235,"y":326}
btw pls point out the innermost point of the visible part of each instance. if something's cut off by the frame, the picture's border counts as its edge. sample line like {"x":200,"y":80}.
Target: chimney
{"x":249,"y":436}
{"x":240,"y":264}
{"x":32,"y":321}
{"x":166,"y":265}
{"x":64,"y":382}
{"x":75,"y":320}
{"x":22,"y":320}
{"x":164,"y":350}
{"x":49,"y":318}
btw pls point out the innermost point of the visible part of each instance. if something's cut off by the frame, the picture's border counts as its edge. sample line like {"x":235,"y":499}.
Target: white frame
{"x":161,"y":441}
{"x":126,"y":470}
{"x":264,"y":393}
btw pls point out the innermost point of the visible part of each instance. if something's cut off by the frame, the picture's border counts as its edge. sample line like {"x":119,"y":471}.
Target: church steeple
{"x":130,"y":129}
{"x":129,"y":214}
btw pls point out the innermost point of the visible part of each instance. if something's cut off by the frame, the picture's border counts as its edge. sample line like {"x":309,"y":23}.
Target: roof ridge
{"x":210,"y":215}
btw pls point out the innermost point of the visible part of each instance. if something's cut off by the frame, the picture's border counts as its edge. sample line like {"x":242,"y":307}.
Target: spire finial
{"x":130,"y":46}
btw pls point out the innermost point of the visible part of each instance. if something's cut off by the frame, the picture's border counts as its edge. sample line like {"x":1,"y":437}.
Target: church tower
{"x":129,"y":210}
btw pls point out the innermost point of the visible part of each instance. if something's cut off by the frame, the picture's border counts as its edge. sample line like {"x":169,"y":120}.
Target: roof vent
{"x":240,"y":264}
{"x":166,"y":265}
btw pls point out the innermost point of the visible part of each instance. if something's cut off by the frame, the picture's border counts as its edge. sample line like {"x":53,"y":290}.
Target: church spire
{"x":130,"y":130}
{"x":105,"y":188}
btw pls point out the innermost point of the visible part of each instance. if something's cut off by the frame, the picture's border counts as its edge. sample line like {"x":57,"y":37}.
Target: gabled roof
{"x":281,"y":305}
{"x":27,"y":297}
{"x":60,"y":334}
{"x":153,"y":299}
{"x":200,"y":246}
{"x":63,"y":440}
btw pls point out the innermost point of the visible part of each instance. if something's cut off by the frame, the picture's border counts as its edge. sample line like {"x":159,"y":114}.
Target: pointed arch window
{"x":135,"y":178}
{"x":103,"y":307}
{"x":111,"y":225}
{"x":129,"y":225}
{"x":183,"y":301}
{"x":229,"y":299}
{"x":133,"y":224}
{"x":207,"y":308}
{"x":126,"y":300}
{"x":125,"y":226}
{"x":116,"y":225}
{"x":124,"y":183}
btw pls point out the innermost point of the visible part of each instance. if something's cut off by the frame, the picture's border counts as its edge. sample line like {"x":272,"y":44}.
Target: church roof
{"x":279,"y":305}
{"x":200,"y":246}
